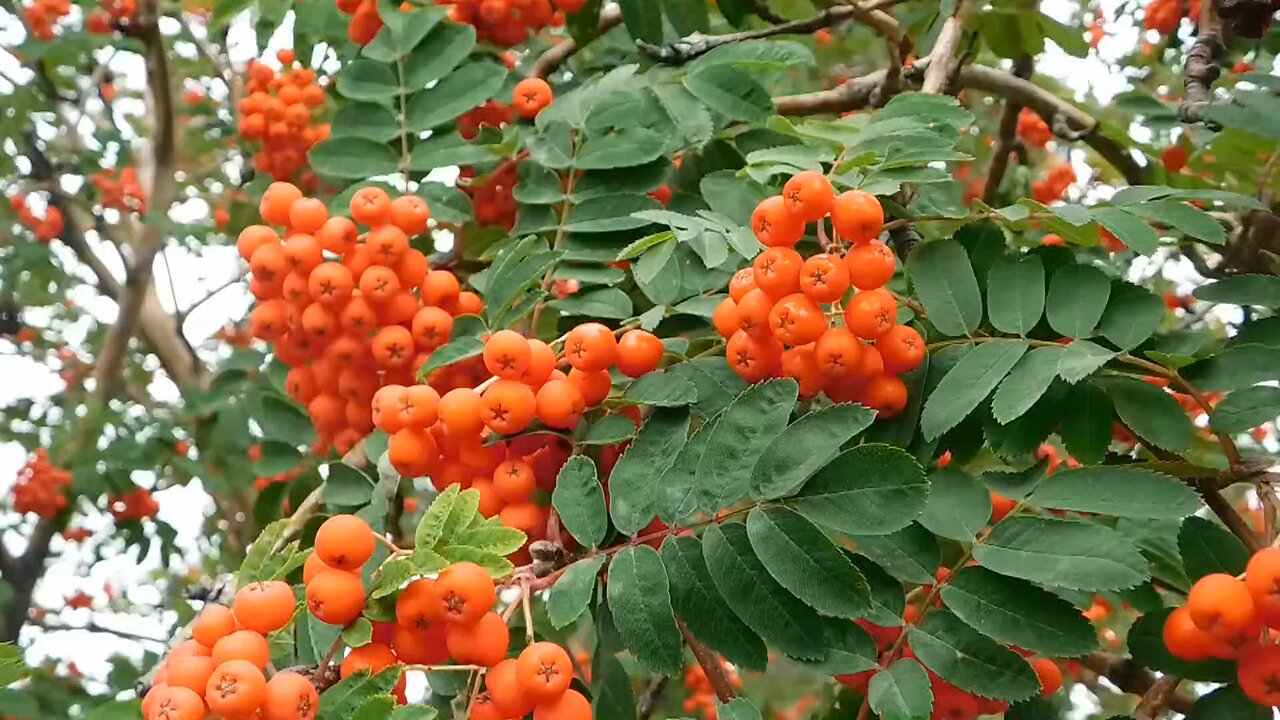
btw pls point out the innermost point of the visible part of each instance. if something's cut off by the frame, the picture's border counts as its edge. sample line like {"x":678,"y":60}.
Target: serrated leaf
{"x":968,"y":384}
{"x":446,"y":46}
{"x":633,"y":496}
{"x":1150,"y":412}
{"x":1261,"y":290}
{"x":901,"y":691}
{"x":1228,"y":703}
{"x":1183,"y":217}
{"x":943,"y":278}
{"x":730,"y":92}
{"x":847,"y":649}
{"x":1077,"y":298}
{"x":498,"y":540}
{"x":1207,"y":547}
{"x":806,"y":446}
{"x":1133,"y":314}
{"x":414,"y":712}
{"x":579,"y":500}
{"x":251,"y":570}
{"x":958,"y":507}
{"x":1238,"y":366}
{"x":1063,"y":553}
{"x":1133,"y":231}
{"x":796,"y":553}
{"x":496,"y":565}
{"x":739,"y":439}
{"x":358,"y":634}
{"x":625,"y":147}
{"x":572,"y":593}
{"x":699,"y":604}
{"x":352,"y":158}
{"x":1081,"y":358}
{"x":610,"y":430}
{"x":869,"y":489}
{"x":1246,"y":409}
{"x":455,"y":351}
{"x":611,"y":694}
{"x":341,"y":701}
{"x":716,"y":382}
{"x":1026,"y":383}
{"x":1086,"y":426}
{"x":346,"y":486}
{"x":910,"y":554}
{"x":467,"y":87}
{"x":1017,"y":613}
{"x":374,"y":708}
{"x":368,"y":80}
{"x":970,"y":661}
{"x":1015,"y":293}
{"x":431,"y":527}
{"x":391,"y":575}
{"x":640,"y":603}
{"x":1116,"y":490}
{"x":755,"y":597}
{"x":661,"y":389}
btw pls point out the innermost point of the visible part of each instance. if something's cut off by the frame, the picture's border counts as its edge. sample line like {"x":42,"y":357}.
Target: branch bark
{"x":1131,"y":677}
{"x":1006,"y":137}
{"x":1202,"y":67}
{"x":943,"y":60}
{"x":551,"y":60}
{"x":710,"y":664}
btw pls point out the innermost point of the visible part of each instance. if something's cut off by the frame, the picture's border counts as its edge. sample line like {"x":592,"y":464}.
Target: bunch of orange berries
{"x":365,"y":21}
{"x":774,"y":318}
{"x":507,"y":23}
{"x":702,"y":696}
{"x":47,"y":228}
{"x":1232,"y":618}
{"x":1032,"y":129}
{"x":278,"y":113}
{"x":1164,"y":16}
{"x":1054,"y":185}
{"x":339,"y":307}
{"x":41,"y":486}
{"x":492,"y":114}
{"x":41,"y":17}
{"x":135,"y":505}
{"x":120,"y":190}
{"x":111,"y":14}
{"x":221,"y":670}
{"x":493,"y":199}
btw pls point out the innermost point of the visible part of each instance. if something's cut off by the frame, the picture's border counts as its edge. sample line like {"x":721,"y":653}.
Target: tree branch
{"x":1202,"y":67}
{"x":1131,"y":677}
{"x":551,"y":60}
{"x":697,"y":44}
{"x":1006,"y":137}
{"x":1227,"y":514}
{"x":943,"y":60}
{"x":710,"y":664}
{"x":22,"y":577}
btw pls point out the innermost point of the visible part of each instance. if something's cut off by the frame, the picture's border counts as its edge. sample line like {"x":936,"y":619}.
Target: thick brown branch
{"x":1202,"y":67}
{"x":21,"y":578}
{"x":710,"y":664}
{"x":943,"y":60}
{"x":1131,"y":677}
{"x":551,"y":60}
{"x":1218,"y":504}
{"x":1006,"y":137}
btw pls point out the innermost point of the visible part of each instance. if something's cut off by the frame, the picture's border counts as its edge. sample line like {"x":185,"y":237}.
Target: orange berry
{"x":235,"y":689}
{"x":370,"y":206}
{"x":1220,"y":604}
{"x":277,"y":201}
{"x":1262,"y":577}
{"x":777,"y":271}
{"x":857,"y":216}
{"x":431,"y":328}
{"x":244,"y":645}
{"x":1050,"y":676}
{"x":531,"y":95}
{"x":590,"y":347}
{"x":725,"y":318}
{"x":559,"y":403}
{"x":440,"y":289}
{"x":373,"y":657}
{"x":753,"y":358}
{"x":264,"y":607}
{"x":509,"y":406}
{"x":1259,"y":674}
{"x":593,"y":386}
{"x":837,"y":352}
{"x":462,"y":411}
{"x":824,"y":278}
{"x":409,"y":213}
{"x":514,"y":481}
{"x":311,"y":567}
{"x":393,"y":347}
{"x":753,"y":312}
{"x":192,"y":672}
{"x":886,"y":394}
{"x":507,"y":354}
{"x":378,"y":284}
{"x":412,"y":451}
{"x":544,"y":671}
{"x":290,"y":696}
{"x":796,"y":320}
{"x":571,"y":705}
{"x":176,"y":703}
{"x":542,"y":362}
{"x":742,"y":282}
{"x":808,"y":195}
{"x":902,"y":349}
{"x":335,"y":597}
{"x":639,"y":352}
{"x":307,"y":215}
{"x":465,"y":591}
{"x":870,"y":265}
{"x":338,"y":235}
{"x":424,"y":646}
{"x":505,"y":691}
{"x":254,"y":237}
{"x":871,"y":313}
{"x":483,"y":642}
{"x":774,"y":225}
{"x":345,"y":542}
{"x":214,"y":623}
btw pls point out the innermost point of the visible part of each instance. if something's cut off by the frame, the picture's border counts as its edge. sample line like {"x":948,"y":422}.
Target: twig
{"x":549,"y":61}
{"x":1155,"y":701}
{"x":697,"y":44}
{"x":1227,"y":514}
{"x":1131,"y":677}
{"x":1202,"y":67}
{"x":93,"y":627}
{"x":652,"y":696}
{"x":1006,"y":137}
{"x":239,"y":278}
{"x":943,"y":60}
{"x":328,"y":656}
{"x":711,"y":665}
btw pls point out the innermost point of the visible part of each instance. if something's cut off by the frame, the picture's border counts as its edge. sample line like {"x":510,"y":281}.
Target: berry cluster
{"x":339,"y":306}
{"x":1164,"y":16}
{"x":365,"y":21}
{"x":774,"y":318}
{"x":492,"y":198}
{"x":1032,"y":129}
{"x":492,"y":114}
{"x":40,"y":487}
{"x":46,"y":228}
{"x":1224,"y":618}
{"x":702,"y":698}
{"x":112,"y":14}
{"x":278,"y":114}
{"x":135,"y":505}
{"x":1054,"y":185}
{"x":120,"y":190}
{"x":41,"y":17}
{"x":507,"y":23}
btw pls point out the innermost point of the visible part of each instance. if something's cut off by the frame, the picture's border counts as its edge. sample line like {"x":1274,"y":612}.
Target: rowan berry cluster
{"x":1054,"y":185}
{"x":47,"y":228}
{"x":492,"y":199}
{"x":492,"y":114}
{"x":774,"y":318}
{"x":41,"y":17}
{"x":278,"y":114}
{"x":109,"y":15}
{"x":339,"y":306}
{"x":120,"y":190}
{"x":365,"y":21}
{"x":507,"y":23}
{"x":1032,"y":129}
{"x":135,"y":505}
{"x":40,"y":487}
{"x":1164,"y":16}
{"x":1234,"y":618}
{"x":221,"y":670}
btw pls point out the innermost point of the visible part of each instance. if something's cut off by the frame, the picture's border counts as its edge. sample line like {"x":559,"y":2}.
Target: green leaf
{"x":633,"y":496}
{"x":795,"y":552}
{"x":414,"y":712}
{"x":496,"y":565}
{"x":12,"y":666}
{"x":446,"y":46}
{"x":1150,"y":412}
{"x":393,"y":574}
{"x":432,"y":525}
{"x":610,"y":213}
{"x":661,"y":389}
{"x":1246,"y":408}
{"x":611,"y":694}
{"x":718,"y":385}
{"x":1116,"y":490}
{"x":571,"y":595}
{"x":968,"y":384}
{"x":739,"y":439}
{"x":700,"y":605}
{"x":282,"y":420}
{"x":1133,"y":314}
{"x":1236,"y":367}
{"x":1062,"y":553}
{"x":463,"y":89}
{"x":888,"y":600}
{"x":1207,"y":547}
{"x":970,"y":661}
{"x":359,"y":633}
{"x":910,"y":554}
{"x":1261,"y":290}
{"x":1146,"y":644}
{"x":868,"y":490}
{"x":1077,"y":298}
{"x":1017,"y":613}
{"x":678,"y":486}
{"x":623,"y":148}
{"x":738,"y":709}
{"x":446,"y":150}
{"x":759,"y":56}
{"x":579,"y":500}
{"x":1228,"y":703}
{"x":516,"y":269}
{"x":346,"y":486}
{"x":353,"y":158}
{"x":755,"y":597}
{"x":690,"y":117}
{"x":1026,"y":383}
{"x":942,"y":277}
{"x":370,"y":121}
{"x":1015,"y":293}
{"x":1086,"y":427}
{"x":958,"y":507}
{"x":609,"y":303}
{"x":847,"y":649}
{"x":342,"y":701}
{"x":687,"y":16}
{"x":643,"y":19}
{"x":806,"y":446}
{"x":1130,"y":229}
{"x":610,"y":430}
{"x":276,"y":457}
{"x":640,"y":603}
{"x":1183,"y":217}
{"x":368,"y":80}
{"x":496,"y":539}
{"x":730,"y":92}
{"x":455,"y":351}
{"x":402,"y":31}
{"x":901,"y":691}
{"x":1081,"y":359}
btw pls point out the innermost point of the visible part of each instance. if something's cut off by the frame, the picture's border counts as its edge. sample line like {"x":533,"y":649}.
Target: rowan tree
{"x":644,"y":359}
